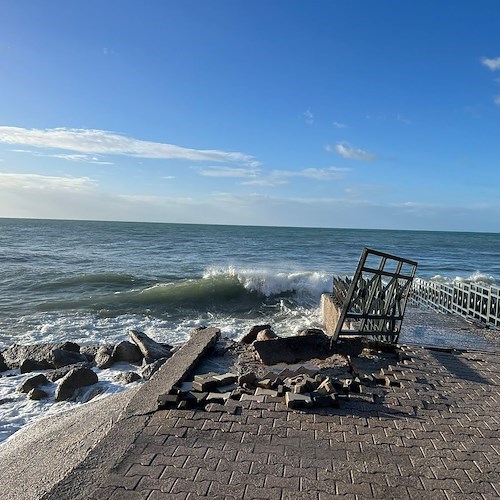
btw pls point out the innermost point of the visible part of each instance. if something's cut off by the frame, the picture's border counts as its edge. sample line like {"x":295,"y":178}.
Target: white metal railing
{"x":469,"y":300}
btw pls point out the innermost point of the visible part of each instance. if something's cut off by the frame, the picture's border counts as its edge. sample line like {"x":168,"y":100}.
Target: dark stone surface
{"x":127,"y":377}
{"x":127,"y":351}
{"x":3,"y":366}
{"x":16,"y":353}
{"x":74,"y":379}
{"x":33,"y":382}
{"x":149,"y":348}
{"x":59,"y":373}
{"x":62,"y":357}
{"x":31,"y":365}
{"x":37,"y":394}
{"x":293,"y":349}
{"x":150,"y":368}
{"x":104,"y":356}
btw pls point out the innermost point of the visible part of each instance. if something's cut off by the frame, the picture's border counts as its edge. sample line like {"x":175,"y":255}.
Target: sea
{"x":91,"y":282}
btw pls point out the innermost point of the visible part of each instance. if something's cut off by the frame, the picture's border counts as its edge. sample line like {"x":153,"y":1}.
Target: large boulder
{"x":150,"y":349}
{"x":32,"y":382}
{"x":30,"y":365}
{"x":16,"y":353}
{"x":126,"y":377}
{"x":266,"y":334}
{"x":74,"y":379}
{"x":104,"y":356}
{"x":127,"y":351}
{"x":61,"y":357}
{"x":59,"y":373}
{"x":149,"y":369}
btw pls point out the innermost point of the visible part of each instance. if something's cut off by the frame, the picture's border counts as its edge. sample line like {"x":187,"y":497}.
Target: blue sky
{"x":330,"y":113}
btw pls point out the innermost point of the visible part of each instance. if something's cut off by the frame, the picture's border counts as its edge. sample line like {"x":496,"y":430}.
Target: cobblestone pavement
{"x":435,"y":437}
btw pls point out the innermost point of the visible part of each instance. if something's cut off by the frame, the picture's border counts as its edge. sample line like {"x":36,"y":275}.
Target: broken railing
{"x":470,"y":300}
{"x":373,"y":302}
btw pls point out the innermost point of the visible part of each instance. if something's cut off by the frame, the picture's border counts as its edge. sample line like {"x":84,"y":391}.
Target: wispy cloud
{"x":228,"y":172}
{"x":350,"y":152}
{"x":340,"y":125}
{"x":70,"y":157}
{"x":308,"y":117}
{"x":320,"y":174}
{"x":91,"y":142}
{"x":493,"y":64}
{"x":46,"y":182}
{"x":265,"y":182}
{"x":497,"y":100}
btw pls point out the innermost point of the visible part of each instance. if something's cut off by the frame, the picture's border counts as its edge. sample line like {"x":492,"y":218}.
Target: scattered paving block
{"x":266,"y":392}
{"x":217,"y":397}
{"x":250,"y":397}
{"x":166,"y":401}
{"x":205,"y":385}
{"x":202,"y":376}
{"x":226,"y":378}
{"x":326,"y":387}
{"x":281,"y":390}
{"x":325,"y":400}
{"x":297,"y":401}
{"x":227,"y":388}
{"x":265,"y":383}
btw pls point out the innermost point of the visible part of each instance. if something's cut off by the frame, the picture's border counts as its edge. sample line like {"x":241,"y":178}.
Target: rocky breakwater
{"x":70,"y":367}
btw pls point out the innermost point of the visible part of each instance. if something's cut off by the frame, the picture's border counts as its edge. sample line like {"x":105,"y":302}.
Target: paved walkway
{"x":435,"y":437}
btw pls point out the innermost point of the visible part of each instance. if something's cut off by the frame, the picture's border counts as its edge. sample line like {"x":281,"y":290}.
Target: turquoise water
{"x":92,"y":281}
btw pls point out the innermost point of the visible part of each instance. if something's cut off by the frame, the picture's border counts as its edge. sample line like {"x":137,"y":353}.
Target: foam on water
{"x":477,"y":277}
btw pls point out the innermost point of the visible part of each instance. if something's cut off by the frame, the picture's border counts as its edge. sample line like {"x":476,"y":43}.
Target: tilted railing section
{"x":469,"y":300}
{"x":374,"y":300}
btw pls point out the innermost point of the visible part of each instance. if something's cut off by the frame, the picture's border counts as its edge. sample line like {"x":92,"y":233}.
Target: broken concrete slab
{"x":297,"y":401}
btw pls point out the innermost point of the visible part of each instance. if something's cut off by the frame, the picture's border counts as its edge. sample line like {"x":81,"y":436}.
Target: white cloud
{"x":352,"y":153}
{"x":227,"y":172}
{"x":91,"y":142}
{"x":308,"y":117}
{"x":265,"y":182}
{"x":492,"y":64}
{"x":45,"y":182}
{"x":70,"y":157}
{"x":497,"y":100}
{"x":320,"y":174}
{"x":340,"y":125}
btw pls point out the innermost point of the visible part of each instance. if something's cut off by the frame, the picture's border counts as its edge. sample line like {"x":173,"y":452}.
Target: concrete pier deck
{"x":436,"y":437}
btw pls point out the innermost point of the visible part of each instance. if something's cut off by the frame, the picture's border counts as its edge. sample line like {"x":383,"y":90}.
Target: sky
{"x":322,"y":113}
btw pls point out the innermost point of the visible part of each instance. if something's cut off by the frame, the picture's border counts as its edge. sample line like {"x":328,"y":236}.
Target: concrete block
{"x":226,"y":378}
{"x":166,"y":401}
{"x":297,"y":401}
{"x":266,"y":392}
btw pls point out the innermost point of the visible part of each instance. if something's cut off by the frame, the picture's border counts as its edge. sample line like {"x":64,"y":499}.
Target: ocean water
{"x":91,"y":282}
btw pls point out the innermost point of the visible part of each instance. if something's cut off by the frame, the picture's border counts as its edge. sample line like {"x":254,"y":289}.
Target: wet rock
{"x":3,"y":366}
{"x":127,"y":351}
{"x":127,"y":377}
{"x":37,"y":394}
{"x":251,"y":336}
{"x":104,"y":356}
{"x":149,"y":348}
{"x":74,"y":379}
{"x":31,"y":365}
{"x":62,"y":357}
{"x":248,"y":378}
{"x":266,"y":334}
{"x":32,"y":382}
{"x":311,"y":331}
{"x":59,"y":373}
{"x":149,"y":369}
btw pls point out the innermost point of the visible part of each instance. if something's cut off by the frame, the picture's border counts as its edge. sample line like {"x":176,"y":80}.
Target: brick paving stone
{"x":187,"y":486}
{"x":121,"y":481}
{"x":122,"y":494}
{"x":252,"y":491}
{"x":147,"y":483}
{"x":154,"y":471}
{"x":218,"y":490}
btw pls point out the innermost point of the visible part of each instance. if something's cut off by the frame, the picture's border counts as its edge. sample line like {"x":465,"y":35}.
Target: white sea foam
{"x":476,"y":278}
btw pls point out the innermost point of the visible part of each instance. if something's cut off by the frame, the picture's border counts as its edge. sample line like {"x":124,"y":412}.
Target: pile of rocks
{"x":70,"y":365}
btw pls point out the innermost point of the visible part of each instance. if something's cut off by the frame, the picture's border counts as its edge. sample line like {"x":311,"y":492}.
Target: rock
{"x":127,"y":377}
{"x":3,"y":366}
{"x":62,"y":357}
{"x":104,"y":356}
{"x":36,"y":394}
{"x":266,"y":334}
{"x":74,"y":379}
{"x":32,"y":382}
{"x":149,"y":369}
{"x":89,"y":350}
{"x":59,"y":373}
{"x":31,"y":365}
{"x":149,"y":348}
{"x":127,"y":351}
{"x":251,"y":336}
{"x":293,"y":349}
{"x":16,"y":353}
